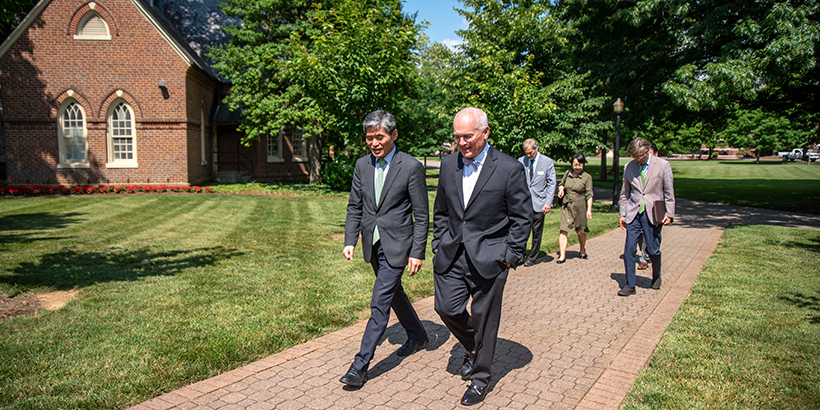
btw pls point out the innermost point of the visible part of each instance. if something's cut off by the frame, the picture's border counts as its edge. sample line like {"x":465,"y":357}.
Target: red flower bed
{"x":31,"y":190}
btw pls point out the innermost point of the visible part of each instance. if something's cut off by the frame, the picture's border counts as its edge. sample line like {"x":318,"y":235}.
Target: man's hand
{"x":546,"y":209}
{"x":413,"y":265}
{"x":348,"y":252}
{"x":667,"y":220}
{"x":622,"y":222}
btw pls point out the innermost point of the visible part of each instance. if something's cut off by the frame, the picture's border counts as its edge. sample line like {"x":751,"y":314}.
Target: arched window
{"x":72,"y":135}
{"x":122,"y":144}
{"x":92,"y":27}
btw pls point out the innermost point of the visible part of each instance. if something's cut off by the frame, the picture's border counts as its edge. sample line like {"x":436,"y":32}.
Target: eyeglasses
{"x":467,"y":137}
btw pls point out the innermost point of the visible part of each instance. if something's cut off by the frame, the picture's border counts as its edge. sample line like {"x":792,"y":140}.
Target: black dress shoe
{"x":626,"y":291}
{"x":467,"y":366}
{"x":529,"y":263}
{"x":473,"y":395}
{"x":560,"y":261}
{"x":354,"y":377}
{"x":413,"y":345}
{"x":656,"y":282}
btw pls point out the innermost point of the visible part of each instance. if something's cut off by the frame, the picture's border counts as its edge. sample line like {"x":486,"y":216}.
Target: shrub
{"x":338,"y":173}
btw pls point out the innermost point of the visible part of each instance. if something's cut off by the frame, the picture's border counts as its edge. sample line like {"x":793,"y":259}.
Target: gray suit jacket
{"x":402,"y":214}
{"x":494,"y":226}
{"x":542,"y":184}
{"x":658,"y":187}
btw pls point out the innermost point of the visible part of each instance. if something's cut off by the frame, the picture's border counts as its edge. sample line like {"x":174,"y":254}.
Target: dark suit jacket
{"x":496,"y":223}
{"x":402,"y":214}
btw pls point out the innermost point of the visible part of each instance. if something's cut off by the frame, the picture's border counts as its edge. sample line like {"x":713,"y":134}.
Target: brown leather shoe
{"x":642,"y":266}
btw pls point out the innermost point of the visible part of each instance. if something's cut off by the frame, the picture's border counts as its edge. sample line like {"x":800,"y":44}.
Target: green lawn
{"x":748,"y":336}
{"x":175,"y":289}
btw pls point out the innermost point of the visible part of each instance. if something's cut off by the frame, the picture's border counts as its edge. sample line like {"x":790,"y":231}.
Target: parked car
{"x":797,"y":154}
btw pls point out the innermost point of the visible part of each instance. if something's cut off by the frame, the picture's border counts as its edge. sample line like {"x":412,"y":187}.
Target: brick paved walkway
{"x":567,"y":341}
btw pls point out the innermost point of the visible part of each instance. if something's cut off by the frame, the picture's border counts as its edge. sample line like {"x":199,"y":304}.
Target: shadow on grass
{"x":70,"y":268}
{"x":810,"y":303}
{"x":811,"y":247}
{"x":36,"y":223}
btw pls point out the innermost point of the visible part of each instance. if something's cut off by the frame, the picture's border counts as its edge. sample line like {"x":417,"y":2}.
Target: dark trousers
{"x":537,"y":231}
{"x":477,"y":331}
{"x":387,"y":293}
{"x":652,"y":238}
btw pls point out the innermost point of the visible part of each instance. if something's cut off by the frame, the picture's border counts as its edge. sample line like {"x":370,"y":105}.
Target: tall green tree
{"x":760,"y":131}
{"x":514,"y":64}
{"x":318,"y":66}
{"x":689,"y":60}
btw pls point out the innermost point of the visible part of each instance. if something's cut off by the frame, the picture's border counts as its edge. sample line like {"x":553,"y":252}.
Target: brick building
{"x":117,"y":92}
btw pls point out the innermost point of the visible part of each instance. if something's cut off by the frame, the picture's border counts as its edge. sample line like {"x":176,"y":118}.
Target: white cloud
{"x":464,"y":23}
{"x":452,"y":44}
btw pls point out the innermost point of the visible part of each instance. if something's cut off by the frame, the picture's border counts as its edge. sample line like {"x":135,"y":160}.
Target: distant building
{"x":118,"y":92}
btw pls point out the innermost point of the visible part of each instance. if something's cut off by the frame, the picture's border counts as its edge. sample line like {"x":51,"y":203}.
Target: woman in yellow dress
{"x":576,"y":191}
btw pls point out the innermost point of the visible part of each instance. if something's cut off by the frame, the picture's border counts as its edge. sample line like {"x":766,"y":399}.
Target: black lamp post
{"x":616,"y":187}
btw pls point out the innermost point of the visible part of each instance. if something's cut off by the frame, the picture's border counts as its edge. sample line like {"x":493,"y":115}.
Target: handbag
{"x":558,"y":201}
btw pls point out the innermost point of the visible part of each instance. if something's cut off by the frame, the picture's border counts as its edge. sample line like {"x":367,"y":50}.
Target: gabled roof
{"x":152,"y":14}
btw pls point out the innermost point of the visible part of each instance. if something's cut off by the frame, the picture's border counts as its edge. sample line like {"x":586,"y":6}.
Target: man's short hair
{"x":529,"y":142}
{"x":638,"y":145}
{"x":480,"y":116}
{"x":380,"y":119}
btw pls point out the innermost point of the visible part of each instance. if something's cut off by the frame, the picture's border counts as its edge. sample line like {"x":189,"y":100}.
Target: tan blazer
{"x":658,"y":188}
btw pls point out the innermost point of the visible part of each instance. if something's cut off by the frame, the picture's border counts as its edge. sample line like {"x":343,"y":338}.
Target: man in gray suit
{"x":388,"y":206}
{"x":540,"y":172}
{"x":481,"y":220}
{"x":648,"y":183}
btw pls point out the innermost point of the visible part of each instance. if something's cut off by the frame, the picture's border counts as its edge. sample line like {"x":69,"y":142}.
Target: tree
{"x":321,"y":67}
{"x":514,"y":65}
{"x":681,"y":60}
{"x":426,"y":118}
{"x":760,"y":131}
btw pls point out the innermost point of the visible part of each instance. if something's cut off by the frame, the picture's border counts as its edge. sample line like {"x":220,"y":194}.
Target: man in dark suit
{"x":648,"y":183}
{"x":540,"y":172}
{"x":481,"y":220}
{"x":388,"y":206}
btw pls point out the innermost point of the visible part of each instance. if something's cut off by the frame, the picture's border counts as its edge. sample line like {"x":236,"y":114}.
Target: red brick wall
{"x":46,"y":61}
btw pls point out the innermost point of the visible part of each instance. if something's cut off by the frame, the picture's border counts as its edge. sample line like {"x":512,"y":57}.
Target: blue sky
{"x":444,"y":21}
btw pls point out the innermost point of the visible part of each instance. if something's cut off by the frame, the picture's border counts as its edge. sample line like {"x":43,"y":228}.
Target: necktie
{"x":530,"y":170}
{"x":643,"y":182}
{"x":379,"y":185}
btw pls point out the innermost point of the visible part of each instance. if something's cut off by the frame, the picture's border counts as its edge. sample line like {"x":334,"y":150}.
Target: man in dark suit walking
{"x":540,"y":172}
{"x":388,"y":206}
{"x":648,"y":184}
{"x":481,"y":221}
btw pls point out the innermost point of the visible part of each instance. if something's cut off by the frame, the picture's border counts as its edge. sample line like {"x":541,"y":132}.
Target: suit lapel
{"x":395,"y":166}
{"x":369,"y":181}
{"x":486,"y":171}
{"x":460,"y":179}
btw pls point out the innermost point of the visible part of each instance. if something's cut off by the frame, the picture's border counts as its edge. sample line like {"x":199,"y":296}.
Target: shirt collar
{"x":479,"y":159}
{"x":388,"y":158}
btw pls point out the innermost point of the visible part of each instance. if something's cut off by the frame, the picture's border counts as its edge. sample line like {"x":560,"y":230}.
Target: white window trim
{"x":109,"y":139}
{"x":63,"y":163}
{"x":82,"y":24}
{"x":202,"y":139}
{"x":300,"y":158}
{"x":277,"y":157}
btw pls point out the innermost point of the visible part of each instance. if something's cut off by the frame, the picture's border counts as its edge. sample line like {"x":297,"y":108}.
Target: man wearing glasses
{"x":481,"y":221}
{"x":647,"y":203}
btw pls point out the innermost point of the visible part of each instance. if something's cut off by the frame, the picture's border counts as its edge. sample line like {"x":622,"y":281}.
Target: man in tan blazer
{"x":648,"y":184}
